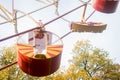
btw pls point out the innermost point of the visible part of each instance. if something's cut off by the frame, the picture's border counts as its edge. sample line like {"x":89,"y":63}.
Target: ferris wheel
{"x":41,"y":56}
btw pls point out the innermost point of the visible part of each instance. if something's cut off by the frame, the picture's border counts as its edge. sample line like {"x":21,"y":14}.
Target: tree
{"x":88,"y":63}
{"x":9,"y":55}
{"x":93,"y":63}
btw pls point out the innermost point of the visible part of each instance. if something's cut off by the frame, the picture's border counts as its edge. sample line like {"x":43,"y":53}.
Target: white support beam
{"x":6,"y":12}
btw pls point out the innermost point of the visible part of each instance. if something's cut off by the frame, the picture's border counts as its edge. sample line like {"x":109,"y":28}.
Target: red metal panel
{"x":38,"y":67}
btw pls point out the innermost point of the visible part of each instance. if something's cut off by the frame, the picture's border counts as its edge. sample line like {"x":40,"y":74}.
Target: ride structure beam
{"x":3,"y":39}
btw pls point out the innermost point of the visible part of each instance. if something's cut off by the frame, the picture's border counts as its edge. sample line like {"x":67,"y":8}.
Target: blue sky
{"x":108,"y":40}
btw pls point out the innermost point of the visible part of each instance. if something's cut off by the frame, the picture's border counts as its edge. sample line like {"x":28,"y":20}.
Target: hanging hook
{"x":41,"y":25}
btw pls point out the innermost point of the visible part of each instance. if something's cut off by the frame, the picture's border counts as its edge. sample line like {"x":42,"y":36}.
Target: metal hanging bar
{"x":15,"y":21}
{"x":63,"y":36}
{"x":90,"y":15}
{"x":83,"y":15}
{"x":14,"y":15}
{"x":58,"y":14}
{"x":8,"y":65}
{"x":84,"y":11}
{"x":13,"y":7}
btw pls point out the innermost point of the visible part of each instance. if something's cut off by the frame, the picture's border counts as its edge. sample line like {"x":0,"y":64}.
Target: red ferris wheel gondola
{"x":95,"y":27}
{"x":105,"y":6}
{"x":40,"y":64}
